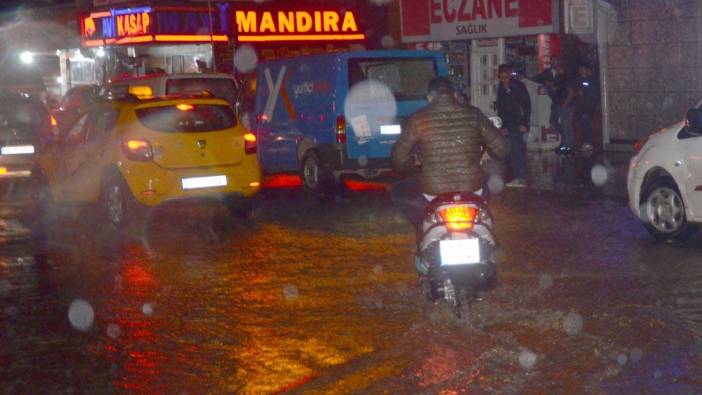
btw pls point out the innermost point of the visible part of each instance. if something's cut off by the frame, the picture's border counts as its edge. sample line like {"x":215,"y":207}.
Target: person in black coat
{"x":558,"y":87}
{"x":514,"y":107}
{"x":587,"y":94}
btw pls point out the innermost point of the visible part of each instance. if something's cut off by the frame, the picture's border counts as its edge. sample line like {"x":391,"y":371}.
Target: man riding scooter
{"x":448,"y":137}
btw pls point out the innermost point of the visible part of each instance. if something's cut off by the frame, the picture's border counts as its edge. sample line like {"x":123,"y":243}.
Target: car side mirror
{"x":694,"y":121}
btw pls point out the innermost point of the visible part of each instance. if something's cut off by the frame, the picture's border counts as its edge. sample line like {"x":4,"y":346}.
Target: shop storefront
{"x":478,"y":35}
{"x":156,"y":39}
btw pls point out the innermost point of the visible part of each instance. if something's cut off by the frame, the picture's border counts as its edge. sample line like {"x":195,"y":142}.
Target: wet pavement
{"x":321,"y":297}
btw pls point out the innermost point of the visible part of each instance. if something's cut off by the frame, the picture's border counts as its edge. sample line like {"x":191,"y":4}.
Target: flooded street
{"x":322,"y":297}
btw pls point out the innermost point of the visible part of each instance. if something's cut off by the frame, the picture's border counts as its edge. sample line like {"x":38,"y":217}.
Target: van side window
{"x":407,"y":78}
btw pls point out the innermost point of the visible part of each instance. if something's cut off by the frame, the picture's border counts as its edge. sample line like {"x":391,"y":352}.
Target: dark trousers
{"x":408,"y":198}
{"x":586,"y":127}
{"x":517,"y":153}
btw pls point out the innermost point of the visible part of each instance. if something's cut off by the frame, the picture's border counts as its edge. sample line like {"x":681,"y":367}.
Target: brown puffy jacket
{"x":449,"y":136}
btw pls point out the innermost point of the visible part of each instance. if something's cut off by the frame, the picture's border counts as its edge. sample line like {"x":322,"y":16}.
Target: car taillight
{"x":137,"y":150}
{"x":250,"y":146}
{"x":341,"y":130}
{"x":458,"y":218}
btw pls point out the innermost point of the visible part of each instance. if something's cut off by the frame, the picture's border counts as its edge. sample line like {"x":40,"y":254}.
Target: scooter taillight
{"x":458,"y":218}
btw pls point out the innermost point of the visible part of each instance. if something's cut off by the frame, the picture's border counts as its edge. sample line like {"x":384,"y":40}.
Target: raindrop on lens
{"x":364,"y":97}
{"x":147,"y":308}
{"x":527,"y":359}
{"x":113,"y":331}
{"x":621,"y":359}
{"x":245,"y":59}
{"x":81,"y":314}
{"x":636,"y":355}
{"x":363,"y":161}
{"x":387,"y":41}
{"x":599,"y":175}
{"x":545,"y":281}
{"x":573,"y":323}
{"x":496,"y":184}
{"x":290,"y":292}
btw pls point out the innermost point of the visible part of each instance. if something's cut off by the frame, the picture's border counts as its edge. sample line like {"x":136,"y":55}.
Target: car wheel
{"x":117,"y":203}
{"x":663,"y":211}
{"x":316,"y":179}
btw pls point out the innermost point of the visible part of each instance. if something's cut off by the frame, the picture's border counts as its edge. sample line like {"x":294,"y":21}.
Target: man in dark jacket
{"x":448,"y":137}
{"x":514,"y":107}
{"x":557,"y":87}
{"x":586,"y":98}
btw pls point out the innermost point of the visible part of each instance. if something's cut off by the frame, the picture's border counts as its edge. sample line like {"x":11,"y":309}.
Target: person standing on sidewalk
{"x":514,"y":107}
{"x":586,"y":98}
{"x":559,"y":88}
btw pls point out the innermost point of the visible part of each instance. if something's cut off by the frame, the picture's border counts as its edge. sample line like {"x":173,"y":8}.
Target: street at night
{"x":322,"y":297}
{"x":350,"y":197}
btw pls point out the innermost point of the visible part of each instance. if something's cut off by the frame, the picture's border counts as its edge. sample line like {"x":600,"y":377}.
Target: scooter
{"x":457,"y":248}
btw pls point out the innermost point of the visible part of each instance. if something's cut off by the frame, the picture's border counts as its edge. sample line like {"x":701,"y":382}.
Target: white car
{"x":665,"y":180}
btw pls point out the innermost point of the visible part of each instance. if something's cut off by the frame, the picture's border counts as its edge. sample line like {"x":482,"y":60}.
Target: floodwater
{"x":320,"y":297}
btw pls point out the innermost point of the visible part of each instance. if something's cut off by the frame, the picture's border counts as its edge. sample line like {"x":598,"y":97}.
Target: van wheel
{"x":117,"y":204}
{"x":316,"y":178}
{"x":664,"y":211}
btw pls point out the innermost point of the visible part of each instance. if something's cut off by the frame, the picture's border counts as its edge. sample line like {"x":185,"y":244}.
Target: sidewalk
{"x":553,"y":172}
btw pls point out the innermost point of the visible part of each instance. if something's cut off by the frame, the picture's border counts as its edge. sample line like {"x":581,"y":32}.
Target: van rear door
{"x":383,"y":92}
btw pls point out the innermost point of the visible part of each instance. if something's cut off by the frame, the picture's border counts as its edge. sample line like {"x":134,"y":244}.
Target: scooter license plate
{"x":459,"y":252}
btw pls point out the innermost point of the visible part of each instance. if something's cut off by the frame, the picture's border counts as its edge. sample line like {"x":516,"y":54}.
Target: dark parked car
{"x":74,"y":103}
{"x":24,"y":125}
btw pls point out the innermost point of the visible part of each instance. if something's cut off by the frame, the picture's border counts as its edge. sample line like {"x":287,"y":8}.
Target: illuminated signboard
{"x":271,"y":26}
{"x":154,"y":24}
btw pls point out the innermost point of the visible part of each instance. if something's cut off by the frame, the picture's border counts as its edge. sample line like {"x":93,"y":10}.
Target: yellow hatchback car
{"x":127,"y":155}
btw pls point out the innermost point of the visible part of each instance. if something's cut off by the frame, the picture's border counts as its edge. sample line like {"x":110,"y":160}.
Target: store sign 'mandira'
{"x":296,"y":25}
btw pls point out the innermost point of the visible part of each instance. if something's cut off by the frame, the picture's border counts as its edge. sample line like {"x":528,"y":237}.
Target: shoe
{"x":564,"y":150}
{"x":516,"y":183}
{"x":587,"y":147}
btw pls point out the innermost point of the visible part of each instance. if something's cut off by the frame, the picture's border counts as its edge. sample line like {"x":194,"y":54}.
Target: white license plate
{"x":459,"y":252}
{"x":204,"y":182}
{"x":17,"y":150}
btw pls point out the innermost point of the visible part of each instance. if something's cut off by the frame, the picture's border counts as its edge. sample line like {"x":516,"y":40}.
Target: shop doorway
{"x":486,"y":56}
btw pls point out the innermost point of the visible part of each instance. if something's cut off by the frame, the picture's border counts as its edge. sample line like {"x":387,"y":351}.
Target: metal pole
{"x":214,"y":61}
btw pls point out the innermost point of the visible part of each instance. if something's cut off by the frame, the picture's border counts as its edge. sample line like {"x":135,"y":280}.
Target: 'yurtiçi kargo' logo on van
{"x":308,"y":88}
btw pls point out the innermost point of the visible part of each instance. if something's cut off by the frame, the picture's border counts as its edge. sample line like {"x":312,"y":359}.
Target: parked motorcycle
{"x":457,"y":247}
